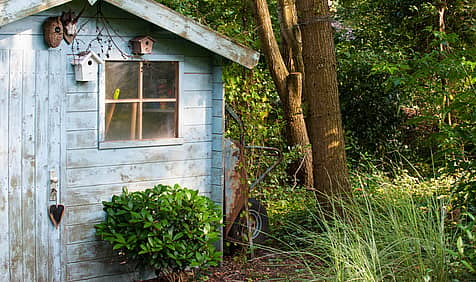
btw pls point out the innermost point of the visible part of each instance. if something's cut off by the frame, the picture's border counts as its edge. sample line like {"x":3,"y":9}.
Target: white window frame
{"x":179,"y":140}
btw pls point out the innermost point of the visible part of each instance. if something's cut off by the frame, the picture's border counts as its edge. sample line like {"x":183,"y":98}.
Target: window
{"x":141,"y":100}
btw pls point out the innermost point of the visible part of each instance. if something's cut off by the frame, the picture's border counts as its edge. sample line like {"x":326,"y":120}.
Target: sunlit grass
{"x":390,"y":230}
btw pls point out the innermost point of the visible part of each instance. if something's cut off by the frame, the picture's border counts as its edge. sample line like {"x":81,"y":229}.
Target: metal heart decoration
{"x":56,"y":213}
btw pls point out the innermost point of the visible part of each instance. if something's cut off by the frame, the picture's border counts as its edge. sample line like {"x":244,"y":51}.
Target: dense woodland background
{"x":406,"y":74}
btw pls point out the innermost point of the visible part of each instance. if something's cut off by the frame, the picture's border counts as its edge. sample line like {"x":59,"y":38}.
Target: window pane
{"x":160,"y":79}
{"x":121,"y":121}
{"x":122,"y":76}
{"x":159,"y":120}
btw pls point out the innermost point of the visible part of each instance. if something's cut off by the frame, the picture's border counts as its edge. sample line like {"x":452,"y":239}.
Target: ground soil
{"x":265,"y":266}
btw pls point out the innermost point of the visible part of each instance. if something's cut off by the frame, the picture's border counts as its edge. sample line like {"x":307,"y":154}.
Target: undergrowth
{"x":392,"y":229}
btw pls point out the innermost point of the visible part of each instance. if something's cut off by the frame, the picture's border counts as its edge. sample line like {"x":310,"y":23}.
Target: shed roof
{"x":153,"y":12}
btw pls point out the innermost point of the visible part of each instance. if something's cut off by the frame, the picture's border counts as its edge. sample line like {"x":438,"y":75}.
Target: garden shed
{"x":96,"y":95}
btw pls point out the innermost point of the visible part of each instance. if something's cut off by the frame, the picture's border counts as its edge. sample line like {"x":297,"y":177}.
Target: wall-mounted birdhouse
{"x":86,"y":66}
{"x":53,"y":31}
{"x":142,"y":45}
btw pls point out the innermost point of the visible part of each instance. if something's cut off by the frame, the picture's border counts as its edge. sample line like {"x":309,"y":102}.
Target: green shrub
{"x":166,"y":228}
{"x":391,"y":230}
{"x":463,"y":252}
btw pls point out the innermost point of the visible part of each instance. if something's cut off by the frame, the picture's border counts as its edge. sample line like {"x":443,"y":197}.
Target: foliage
{"x":463,"y":265}
{"x":392,"y":230}
{"x":370,"y":109}
{"x":250,"y":93}
{"x":166,"y":228}
{"x":232,"y":18}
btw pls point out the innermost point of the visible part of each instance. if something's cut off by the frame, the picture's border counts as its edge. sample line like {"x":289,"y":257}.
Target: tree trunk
{"x":321,"y":93}
{"x":289,"y":87}
{"x":444,"y":47}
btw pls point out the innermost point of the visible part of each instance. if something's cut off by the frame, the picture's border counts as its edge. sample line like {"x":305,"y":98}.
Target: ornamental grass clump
{"x":169,"y":229}
{"x":390,"y":230}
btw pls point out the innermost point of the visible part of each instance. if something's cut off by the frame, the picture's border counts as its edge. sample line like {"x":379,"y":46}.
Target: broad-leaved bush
{"x":166,"y":228}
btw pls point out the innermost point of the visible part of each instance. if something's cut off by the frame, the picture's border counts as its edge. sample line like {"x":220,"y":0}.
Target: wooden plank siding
{"x":28,"y":165}
{"x":58,"y":130}
{"x":24,"y":84}
{"x":43,"y":225}
{"x":14,"y":161}
{"x":4,"y":164}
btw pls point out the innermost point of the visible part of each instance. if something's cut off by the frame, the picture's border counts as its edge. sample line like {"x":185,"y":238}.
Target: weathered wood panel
{"x":41,"y":153}
{"x":56,"y":93}
{"x":87,"y":195}
{"x":136,"y":173}
{"x":88,"y":251}
{"x":85,"y":213}
{"x":134,"y":276}
{"x":197,"y":81}
{"x":197,"y":98}
{"x":80,"y":87}
{"x":97,"y":158}
{"x":80,"y":233}
{"x":82,"y":139}
{"x":195,"y":64}
{"x":85,"y":270}
{"x":28,"y":166}
{"x":15,"y":169}
{"x":217,"y":165}
{"x":77,"y":102}
{"x":4,"y":117}
{"x":15,"y":10}
{"x":195,"y":133}
{"x":81,"y":120}
{"x":20,"y":42}
{"x":197,"y":116}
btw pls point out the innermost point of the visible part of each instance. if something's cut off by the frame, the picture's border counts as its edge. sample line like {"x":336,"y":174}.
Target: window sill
{"x":104,"y":145}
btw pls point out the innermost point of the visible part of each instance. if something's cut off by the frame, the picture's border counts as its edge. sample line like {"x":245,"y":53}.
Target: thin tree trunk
{"x":289,"y":87}
{"x":444,"y":47}
{"x":321,"y":93}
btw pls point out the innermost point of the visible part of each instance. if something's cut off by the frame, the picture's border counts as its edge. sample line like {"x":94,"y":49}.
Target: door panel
{"x":30,"y":112}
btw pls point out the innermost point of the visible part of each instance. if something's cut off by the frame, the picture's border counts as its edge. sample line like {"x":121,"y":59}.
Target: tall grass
{"x":388,"y":231}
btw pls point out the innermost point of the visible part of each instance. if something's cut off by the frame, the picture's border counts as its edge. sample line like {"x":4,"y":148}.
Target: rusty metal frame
{"x":237,"y":196}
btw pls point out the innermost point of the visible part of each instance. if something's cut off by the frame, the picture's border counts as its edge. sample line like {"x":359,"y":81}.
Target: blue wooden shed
{"x":80,"y":121}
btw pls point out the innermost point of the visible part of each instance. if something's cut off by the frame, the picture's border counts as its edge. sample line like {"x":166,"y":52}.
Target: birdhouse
{"x":53,"y":31}
{"x":86,"y":66}
{"x":142,"y":45}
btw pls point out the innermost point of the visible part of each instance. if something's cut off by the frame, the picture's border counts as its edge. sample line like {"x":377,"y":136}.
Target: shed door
{"x":31,"y":87}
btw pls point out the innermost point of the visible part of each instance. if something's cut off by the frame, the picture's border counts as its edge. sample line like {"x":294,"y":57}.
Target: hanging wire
{"x":103,"y":31}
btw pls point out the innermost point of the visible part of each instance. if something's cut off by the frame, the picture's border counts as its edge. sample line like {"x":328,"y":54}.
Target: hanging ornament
{"x":53,"y":31}
{"x":69,"y":21}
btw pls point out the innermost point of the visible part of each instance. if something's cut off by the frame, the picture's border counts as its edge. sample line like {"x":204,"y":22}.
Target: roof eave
{"x":11,"y":16}
{"x":161,"y":16}
{"x":189,"y":29}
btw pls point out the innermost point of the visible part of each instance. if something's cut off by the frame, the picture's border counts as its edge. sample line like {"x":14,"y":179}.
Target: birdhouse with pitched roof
{"x":142,"y":45}
{"x":86,"y":66}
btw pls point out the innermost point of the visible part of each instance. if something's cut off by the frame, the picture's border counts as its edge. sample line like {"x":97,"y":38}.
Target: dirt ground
{"x":264,"y":266}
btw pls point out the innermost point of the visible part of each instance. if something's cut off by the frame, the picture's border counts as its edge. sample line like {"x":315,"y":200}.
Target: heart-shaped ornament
{"x":56,"y":213}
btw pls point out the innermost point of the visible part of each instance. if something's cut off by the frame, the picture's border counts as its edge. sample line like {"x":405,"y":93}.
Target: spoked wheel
{"x":258,"y":222}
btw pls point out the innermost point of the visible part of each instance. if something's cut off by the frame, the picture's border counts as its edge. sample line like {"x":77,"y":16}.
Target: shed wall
{"x":89,"y":175}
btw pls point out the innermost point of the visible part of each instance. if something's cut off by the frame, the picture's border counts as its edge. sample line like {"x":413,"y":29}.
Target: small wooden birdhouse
{"x":53,"y":31}
{"x":142,"y":45}
{"x":86,"y":66}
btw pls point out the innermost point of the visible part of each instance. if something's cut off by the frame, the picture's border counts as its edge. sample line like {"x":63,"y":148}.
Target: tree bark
{"x":444,"y":47}
{"x":321,"y":93}
{"x":288,"y":85}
